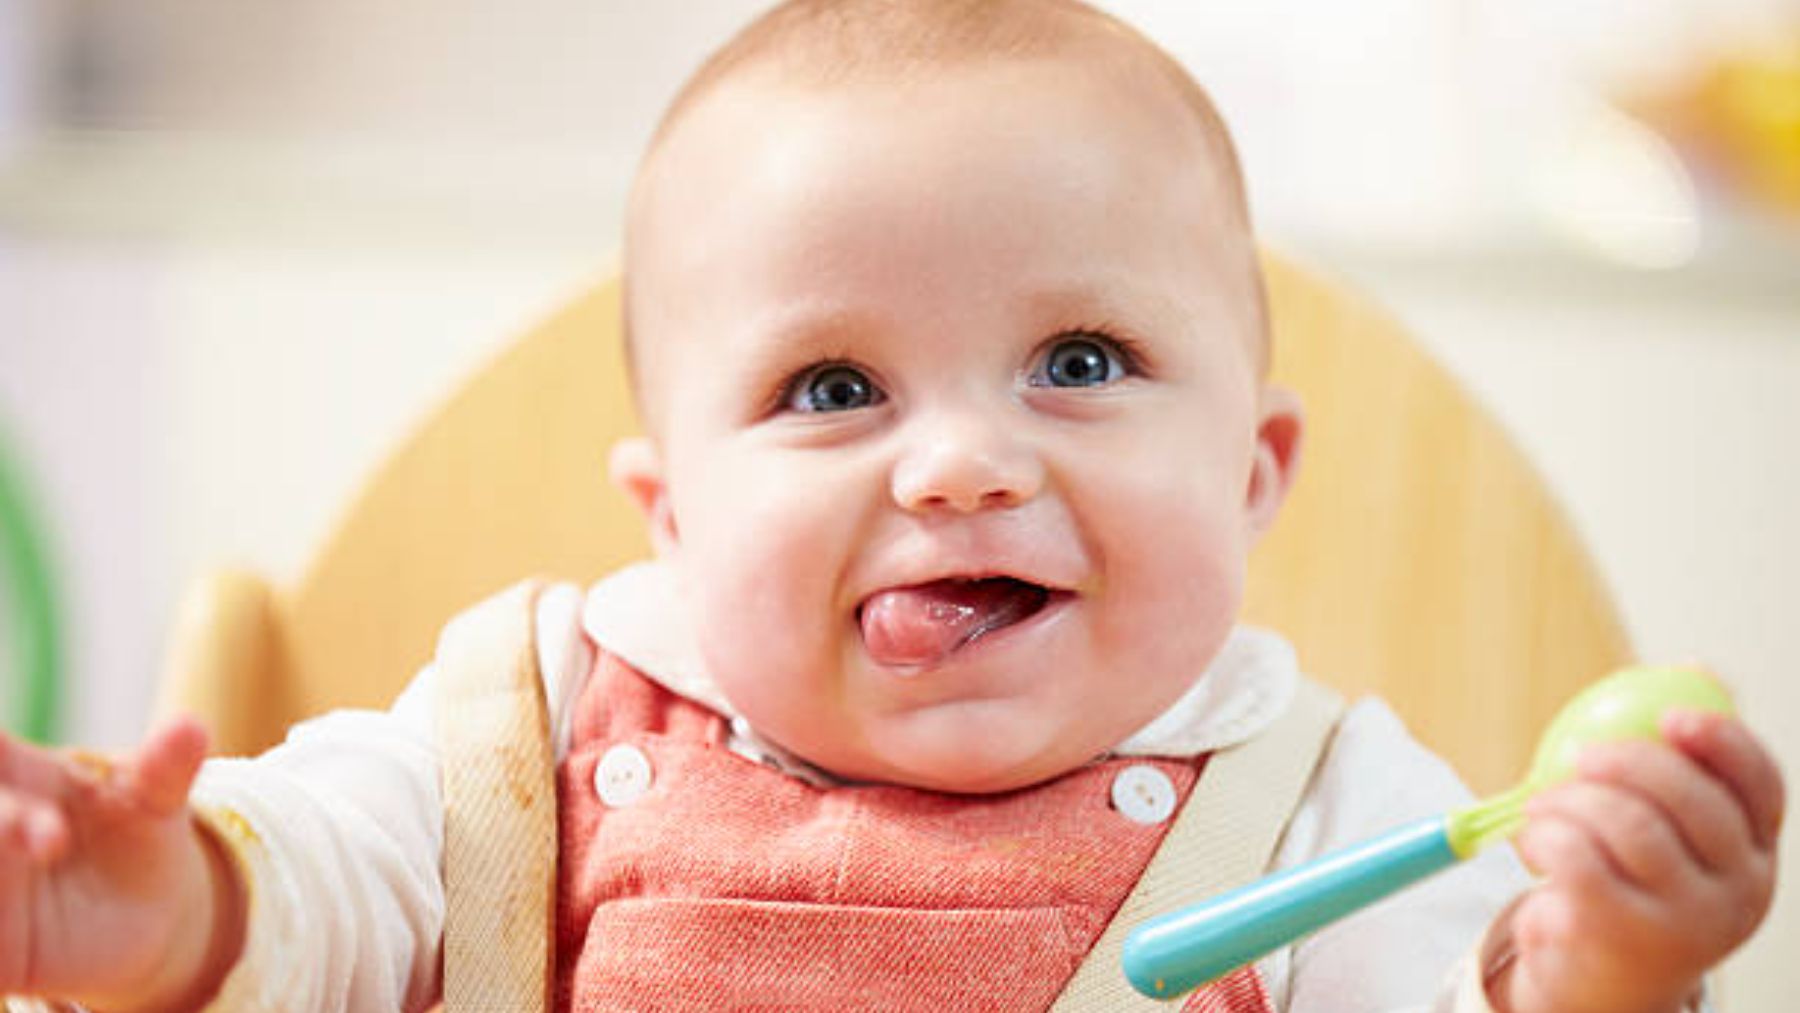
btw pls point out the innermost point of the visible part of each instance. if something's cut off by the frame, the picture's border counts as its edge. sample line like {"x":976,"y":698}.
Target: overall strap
{"x":499,"y":782}
{"x":1225,"y":836}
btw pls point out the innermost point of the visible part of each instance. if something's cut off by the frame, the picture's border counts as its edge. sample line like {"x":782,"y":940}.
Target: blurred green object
{"x":26,"y":588}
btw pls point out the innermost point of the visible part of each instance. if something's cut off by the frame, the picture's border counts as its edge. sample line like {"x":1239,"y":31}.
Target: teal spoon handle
{"x":1171,"y":954}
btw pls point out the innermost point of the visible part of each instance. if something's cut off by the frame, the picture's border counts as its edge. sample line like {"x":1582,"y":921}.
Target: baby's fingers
{"x":1630,"y":831}
{"x":30,"y":825}
{"x":153,"y":782}
{"x":34,"y":772}
{"x":1573,"y":858}
{"x":1727,"y":749}
{"x":163,"y":770}
{"x":1716,"y":828}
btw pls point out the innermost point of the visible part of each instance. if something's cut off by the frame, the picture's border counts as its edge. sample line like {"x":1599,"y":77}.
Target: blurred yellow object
{"x":1740,"y":118}
{"x":1419,"y":558}
{"x":1757,"y":102}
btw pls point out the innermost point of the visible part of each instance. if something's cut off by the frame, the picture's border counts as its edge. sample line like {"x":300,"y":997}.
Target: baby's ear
{"x":636,"y":469}
{"x":1280,"y":425}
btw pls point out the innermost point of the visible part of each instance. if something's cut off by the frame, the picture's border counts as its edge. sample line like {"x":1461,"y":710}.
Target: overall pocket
{"x":709,"y":954}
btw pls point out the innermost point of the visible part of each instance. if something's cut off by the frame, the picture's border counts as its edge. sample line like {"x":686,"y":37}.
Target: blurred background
{"x":243,"y":243}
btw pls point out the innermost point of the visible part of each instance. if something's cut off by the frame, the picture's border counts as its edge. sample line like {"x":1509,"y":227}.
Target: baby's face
{"x":959,"y":440}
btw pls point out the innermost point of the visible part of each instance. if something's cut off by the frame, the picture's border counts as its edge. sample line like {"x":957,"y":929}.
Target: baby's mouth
{"x":918,"y":626}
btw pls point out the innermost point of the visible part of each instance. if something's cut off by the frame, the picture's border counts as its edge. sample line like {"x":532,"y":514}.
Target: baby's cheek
{"x":762,"y":578}
{"x":1178,"y":571}
{"x":751,"y":605}
{"x":1180,"y":531}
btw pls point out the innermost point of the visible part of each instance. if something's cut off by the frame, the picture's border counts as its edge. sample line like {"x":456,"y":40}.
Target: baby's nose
{"x":965,"y":467}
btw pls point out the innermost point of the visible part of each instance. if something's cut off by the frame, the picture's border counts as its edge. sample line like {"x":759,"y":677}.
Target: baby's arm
{"x":303,"y":880}
{"x":337,"y":835}
{"x":1658,"y":862}
{"x":340,"y":833}
{"x":111,"y":894}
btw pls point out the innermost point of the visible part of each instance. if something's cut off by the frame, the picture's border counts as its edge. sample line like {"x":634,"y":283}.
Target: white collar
{"x":636,"y":613}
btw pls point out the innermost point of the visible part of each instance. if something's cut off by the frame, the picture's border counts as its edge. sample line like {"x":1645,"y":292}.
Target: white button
{"x":623,"y":776}
{"x":1144,"y":794}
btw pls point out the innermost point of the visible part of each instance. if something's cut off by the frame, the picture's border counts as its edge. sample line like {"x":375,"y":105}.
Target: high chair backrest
{"x":1419,"y":556}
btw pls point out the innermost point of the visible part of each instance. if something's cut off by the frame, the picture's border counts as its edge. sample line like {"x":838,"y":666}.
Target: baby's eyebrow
{"x":777,"y":342}
{"x":797,"y":334}
{"x":1115,"y":295}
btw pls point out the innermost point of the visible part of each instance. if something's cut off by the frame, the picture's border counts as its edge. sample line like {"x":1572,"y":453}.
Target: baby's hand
{"x":1658,"y":861}
{"x":109,"y":892}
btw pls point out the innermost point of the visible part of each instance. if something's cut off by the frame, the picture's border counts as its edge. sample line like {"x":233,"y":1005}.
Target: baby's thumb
{"x":163,"y":769}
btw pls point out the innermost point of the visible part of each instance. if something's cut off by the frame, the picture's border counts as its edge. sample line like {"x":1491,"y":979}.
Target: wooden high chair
{"x":1419,"y":558}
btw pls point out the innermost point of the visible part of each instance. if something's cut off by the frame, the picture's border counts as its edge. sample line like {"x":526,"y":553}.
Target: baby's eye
{"x":1088,"y":361}
{"x":832,"y":388}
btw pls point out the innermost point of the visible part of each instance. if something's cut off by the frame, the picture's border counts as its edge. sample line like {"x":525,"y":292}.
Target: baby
{"x":949,"y":339}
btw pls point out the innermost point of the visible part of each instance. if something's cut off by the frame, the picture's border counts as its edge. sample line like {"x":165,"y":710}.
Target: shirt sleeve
{"x":339,"y":834}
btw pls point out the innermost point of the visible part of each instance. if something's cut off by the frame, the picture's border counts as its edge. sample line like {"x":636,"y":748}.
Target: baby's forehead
{"x":770,"y":69}
{"x":972,"y":119}
{"x":841,"y":48}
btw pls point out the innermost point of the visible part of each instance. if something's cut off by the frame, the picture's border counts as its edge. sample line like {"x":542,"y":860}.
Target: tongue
{"x":919,"y":626}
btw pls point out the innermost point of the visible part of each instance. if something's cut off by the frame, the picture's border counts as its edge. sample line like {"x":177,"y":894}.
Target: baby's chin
{"x":964,"y":754}
{"x":975,"y":777}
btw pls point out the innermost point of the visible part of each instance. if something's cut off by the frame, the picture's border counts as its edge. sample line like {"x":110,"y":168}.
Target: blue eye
{"x":833,"y":388}
{"x":1079,"y":362}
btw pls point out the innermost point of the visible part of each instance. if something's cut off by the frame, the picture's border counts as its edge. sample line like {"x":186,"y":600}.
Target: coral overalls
{"x":691,"y":877}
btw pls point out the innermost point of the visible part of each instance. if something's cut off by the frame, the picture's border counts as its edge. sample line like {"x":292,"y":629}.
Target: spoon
{"x":1174,"y":953}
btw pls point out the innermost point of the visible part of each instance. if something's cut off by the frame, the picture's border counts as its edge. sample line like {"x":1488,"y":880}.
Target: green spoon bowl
{"x":1629,"y":704}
